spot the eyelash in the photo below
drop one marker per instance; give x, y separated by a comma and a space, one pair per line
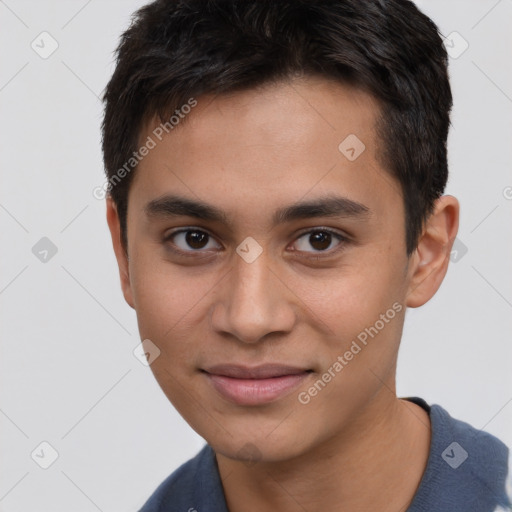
315, 255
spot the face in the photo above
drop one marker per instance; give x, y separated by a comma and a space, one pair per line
268, 265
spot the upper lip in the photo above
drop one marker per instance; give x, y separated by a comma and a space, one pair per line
264, 371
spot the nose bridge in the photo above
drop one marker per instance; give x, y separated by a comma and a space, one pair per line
254, 302
251, 285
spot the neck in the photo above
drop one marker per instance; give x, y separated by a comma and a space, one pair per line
374, 464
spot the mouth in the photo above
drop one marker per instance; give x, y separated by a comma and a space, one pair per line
257, 385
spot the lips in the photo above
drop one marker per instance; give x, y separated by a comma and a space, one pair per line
257, 385
266, 371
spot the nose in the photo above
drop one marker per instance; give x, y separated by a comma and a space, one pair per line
253, 302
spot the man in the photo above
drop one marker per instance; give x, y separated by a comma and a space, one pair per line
276, 173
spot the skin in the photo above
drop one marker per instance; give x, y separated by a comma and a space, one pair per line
249, 154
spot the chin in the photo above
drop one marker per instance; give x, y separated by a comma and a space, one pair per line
250, 446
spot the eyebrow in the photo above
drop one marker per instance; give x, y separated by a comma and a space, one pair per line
328, 206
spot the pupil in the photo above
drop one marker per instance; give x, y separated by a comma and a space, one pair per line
195, 239
320, 240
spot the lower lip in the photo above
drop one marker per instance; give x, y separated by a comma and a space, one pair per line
256, 391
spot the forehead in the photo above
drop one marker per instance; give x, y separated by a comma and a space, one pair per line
285, 112
273, 144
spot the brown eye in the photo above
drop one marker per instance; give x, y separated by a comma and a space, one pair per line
191, 240
196, 239
319, 240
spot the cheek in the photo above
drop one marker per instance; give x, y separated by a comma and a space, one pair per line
351, 298
361, 311
169, 302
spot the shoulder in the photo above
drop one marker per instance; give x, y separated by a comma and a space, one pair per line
195, 485
467, 469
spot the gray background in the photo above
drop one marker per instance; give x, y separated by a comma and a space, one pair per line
68, 373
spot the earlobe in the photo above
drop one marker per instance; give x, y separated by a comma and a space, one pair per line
119, 250
429, 262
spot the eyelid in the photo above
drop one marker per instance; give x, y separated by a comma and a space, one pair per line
325, 229
168, 236
343, 239
177, 231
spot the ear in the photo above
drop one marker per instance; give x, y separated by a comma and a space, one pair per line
429, 262
122, 257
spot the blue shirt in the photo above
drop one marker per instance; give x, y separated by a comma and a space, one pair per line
467, 471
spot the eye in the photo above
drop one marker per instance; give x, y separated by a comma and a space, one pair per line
321, 240
191, 240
